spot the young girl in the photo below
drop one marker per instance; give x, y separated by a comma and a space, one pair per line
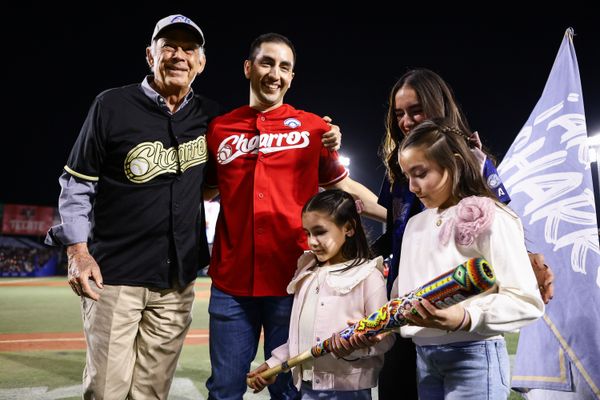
419, 95
461, 353
335, 283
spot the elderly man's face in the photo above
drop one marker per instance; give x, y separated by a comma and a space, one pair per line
175, 58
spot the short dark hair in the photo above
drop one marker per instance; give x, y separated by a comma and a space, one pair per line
269, 38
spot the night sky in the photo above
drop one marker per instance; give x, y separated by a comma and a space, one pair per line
59, 61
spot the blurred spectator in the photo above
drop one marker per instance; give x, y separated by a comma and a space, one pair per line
23, 260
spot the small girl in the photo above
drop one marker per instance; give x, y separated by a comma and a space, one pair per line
461, 353
335, 283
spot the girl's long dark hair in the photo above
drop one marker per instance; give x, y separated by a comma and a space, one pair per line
341, 206
448, 146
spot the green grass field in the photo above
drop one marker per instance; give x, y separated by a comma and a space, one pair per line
57, 374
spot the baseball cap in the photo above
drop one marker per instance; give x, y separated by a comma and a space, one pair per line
178, 19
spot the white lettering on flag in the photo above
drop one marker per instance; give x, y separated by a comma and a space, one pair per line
547, 175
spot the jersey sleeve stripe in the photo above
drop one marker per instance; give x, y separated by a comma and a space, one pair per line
336, 180
79, 175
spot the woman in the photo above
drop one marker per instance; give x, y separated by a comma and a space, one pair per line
421, 94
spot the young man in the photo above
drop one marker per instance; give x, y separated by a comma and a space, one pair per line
266, 161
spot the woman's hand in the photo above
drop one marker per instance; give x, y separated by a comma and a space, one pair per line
543, 275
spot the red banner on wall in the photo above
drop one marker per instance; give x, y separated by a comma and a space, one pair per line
21, 219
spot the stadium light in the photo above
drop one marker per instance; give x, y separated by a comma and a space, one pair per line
593, 143
345, 161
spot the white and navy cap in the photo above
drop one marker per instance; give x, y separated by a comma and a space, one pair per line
178, 19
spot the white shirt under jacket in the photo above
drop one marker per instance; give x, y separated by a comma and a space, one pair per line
342, 296
515, 303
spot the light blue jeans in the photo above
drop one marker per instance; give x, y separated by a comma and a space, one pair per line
235, 325
466, 370
309, 394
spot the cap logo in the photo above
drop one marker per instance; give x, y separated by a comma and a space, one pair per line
181, 18
292, 123
178, 19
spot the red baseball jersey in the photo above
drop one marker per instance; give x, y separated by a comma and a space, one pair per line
266, 166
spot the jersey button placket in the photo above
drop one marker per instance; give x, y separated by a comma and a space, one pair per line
260, 193
260, 157
260, 230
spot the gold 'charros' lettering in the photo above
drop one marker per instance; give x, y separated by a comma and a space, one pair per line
147, 160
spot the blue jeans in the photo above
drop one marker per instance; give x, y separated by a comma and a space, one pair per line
235, 325
309, 394
465, 370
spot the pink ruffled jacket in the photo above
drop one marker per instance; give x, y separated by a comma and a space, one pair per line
347, 295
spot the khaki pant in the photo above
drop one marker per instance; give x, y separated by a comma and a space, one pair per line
134, 337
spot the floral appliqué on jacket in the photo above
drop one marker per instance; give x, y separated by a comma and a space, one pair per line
474, 216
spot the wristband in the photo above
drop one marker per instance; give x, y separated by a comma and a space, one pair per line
462, 322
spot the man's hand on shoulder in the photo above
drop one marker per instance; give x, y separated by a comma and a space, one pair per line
332, 139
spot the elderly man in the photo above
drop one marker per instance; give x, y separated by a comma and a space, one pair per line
137, 167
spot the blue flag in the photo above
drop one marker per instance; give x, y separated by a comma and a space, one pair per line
547, 174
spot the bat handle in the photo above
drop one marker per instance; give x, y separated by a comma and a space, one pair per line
283, 367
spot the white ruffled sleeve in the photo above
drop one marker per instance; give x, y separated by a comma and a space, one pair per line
517, 301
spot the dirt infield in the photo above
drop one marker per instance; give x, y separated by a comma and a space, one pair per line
69, 340
33, 282
74, 340
46, 282
202, 287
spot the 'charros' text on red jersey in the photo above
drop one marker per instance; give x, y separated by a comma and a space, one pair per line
235, 146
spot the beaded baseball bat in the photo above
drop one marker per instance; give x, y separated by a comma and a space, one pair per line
468, 279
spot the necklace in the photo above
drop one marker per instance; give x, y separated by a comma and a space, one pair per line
440, 218
318, 278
